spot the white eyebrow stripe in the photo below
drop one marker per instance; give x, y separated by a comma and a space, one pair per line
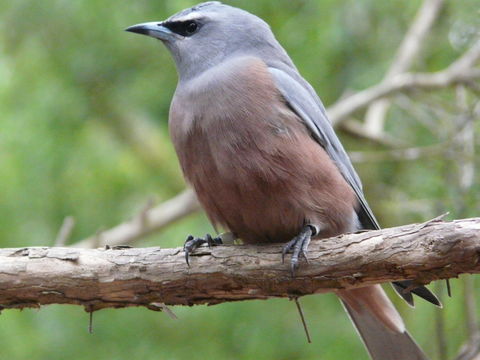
191, 16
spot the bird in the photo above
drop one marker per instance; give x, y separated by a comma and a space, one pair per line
254, 141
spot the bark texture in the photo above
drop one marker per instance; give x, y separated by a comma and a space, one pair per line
154, 277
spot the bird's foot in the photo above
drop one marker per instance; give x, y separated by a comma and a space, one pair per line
191, 243
299, 246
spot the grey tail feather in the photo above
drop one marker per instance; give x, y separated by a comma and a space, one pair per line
383, 343
420, 291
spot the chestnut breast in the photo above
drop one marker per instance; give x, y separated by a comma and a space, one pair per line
251, 160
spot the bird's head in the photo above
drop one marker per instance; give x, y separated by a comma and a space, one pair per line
206, 34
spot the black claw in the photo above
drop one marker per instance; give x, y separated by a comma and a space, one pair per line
186, 248
209, 240
187, 242
213, 241
192, 243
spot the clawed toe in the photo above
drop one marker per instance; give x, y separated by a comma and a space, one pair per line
288, 248
192, 243
213, 241
298, 246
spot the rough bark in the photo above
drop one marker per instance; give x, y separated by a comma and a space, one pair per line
120, 277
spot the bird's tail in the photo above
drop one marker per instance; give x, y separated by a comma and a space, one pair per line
380, 325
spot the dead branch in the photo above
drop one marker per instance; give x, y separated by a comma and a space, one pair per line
121, 277
149, 220
409, 50
462, 71
359, 130
407, 154
462, 138
471, 349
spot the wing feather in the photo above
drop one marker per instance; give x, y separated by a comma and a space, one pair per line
310, 109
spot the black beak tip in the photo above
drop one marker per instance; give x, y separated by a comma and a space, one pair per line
138, 29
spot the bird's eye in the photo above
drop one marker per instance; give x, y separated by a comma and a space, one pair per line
191, 27
183, 28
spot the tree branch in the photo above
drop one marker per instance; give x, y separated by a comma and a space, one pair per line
146, 222
462, 138
462, 71
406, 54
415, 37
121, 277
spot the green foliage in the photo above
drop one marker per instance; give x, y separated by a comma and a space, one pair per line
83, 132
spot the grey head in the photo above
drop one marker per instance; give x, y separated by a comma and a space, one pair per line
207, 34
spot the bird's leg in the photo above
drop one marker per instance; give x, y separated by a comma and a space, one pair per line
299, 246
191, 243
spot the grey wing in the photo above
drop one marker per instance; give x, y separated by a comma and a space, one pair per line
305, 103
309, 107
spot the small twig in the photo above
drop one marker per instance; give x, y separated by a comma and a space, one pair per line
431, 221
90, 320
449, 289
65, 231
305, 327
418, 227
164, 308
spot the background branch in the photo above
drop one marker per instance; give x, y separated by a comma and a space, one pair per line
460, 71
408, 51
149, 220
358, 129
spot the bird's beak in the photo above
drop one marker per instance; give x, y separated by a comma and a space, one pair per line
153, 29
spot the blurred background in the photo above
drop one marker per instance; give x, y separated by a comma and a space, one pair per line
83, 115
